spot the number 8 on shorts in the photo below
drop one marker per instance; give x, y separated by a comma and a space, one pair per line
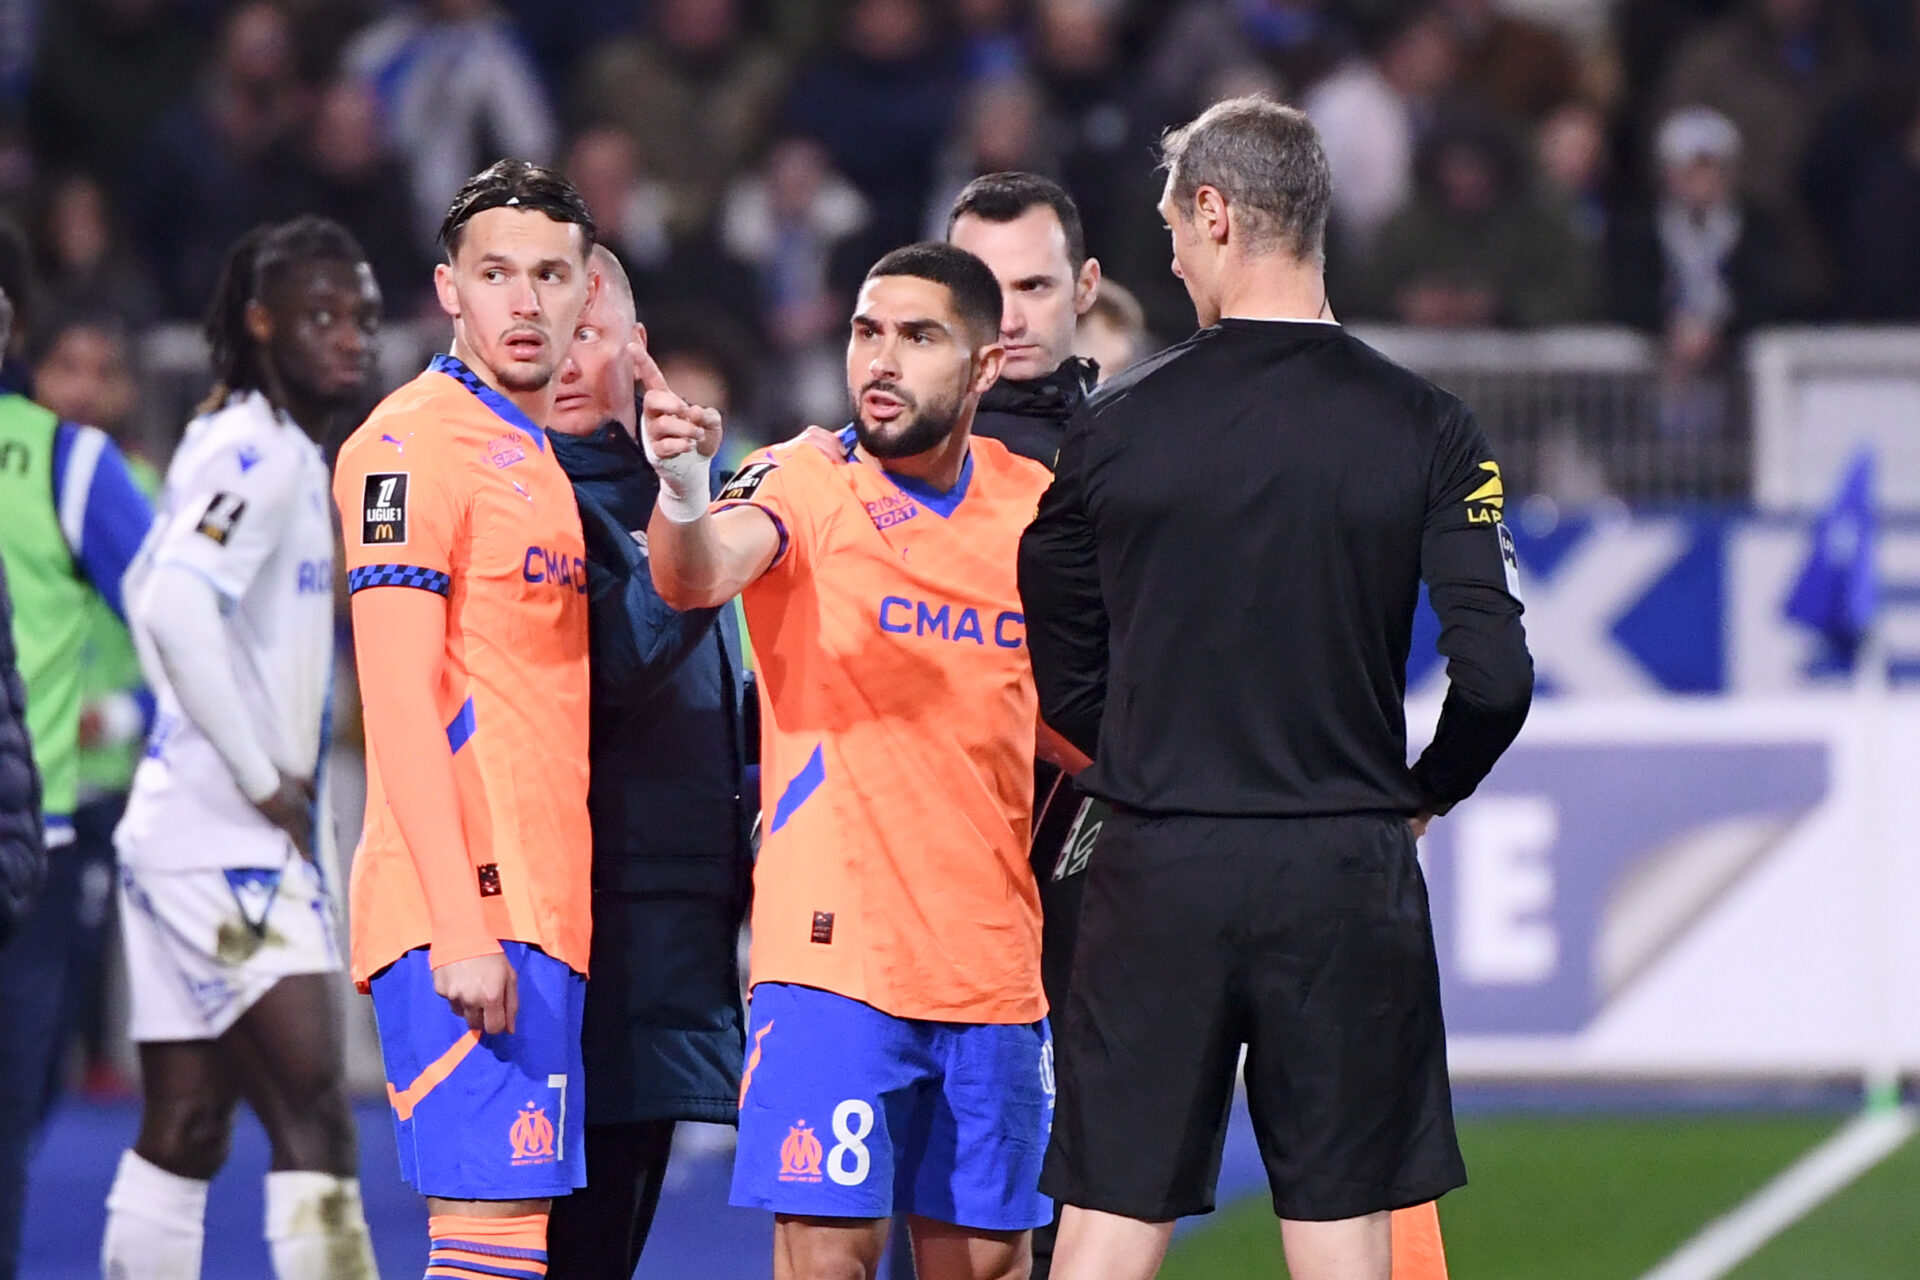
945, 1120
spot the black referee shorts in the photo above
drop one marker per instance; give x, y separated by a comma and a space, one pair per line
1308, 941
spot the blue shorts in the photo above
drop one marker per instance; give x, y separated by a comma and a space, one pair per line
485, 1117
848, 1112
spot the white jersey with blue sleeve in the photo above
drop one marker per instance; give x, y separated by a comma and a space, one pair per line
246, 508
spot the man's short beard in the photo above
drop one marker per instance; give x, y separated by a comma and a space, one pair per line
929, 429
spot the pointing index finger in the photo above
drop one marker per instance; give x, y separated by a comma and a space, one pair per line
645, 369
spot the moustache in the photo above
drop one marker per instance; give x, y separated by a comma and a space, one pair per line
893, 389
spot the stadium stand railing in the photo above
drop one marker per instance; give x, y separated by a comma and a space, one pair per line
1581, 414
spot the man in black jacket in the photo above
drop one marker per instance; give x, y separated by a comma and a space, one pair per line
1219, 589
671, 868
1027, 230
23, 851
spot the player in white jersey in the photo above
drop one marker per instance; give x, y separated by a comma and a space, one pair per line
227, 879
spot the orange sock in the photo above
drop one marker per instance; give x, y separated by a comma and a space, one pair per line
1418, 1253
487, 1248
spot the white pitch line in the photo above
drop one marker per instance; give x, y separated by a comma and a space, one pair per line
1728, 1241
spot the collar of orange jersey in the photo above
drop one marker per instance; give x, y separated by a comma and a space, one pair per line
503, 408
941, 504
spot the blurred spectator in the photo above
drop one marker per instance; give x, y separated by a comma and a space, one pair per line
83, 371
1113, 333
321, 31
1519, 67
1001, 128
562, 34
343, 171
1570, 148
631, 207
18, 283
709, 362
1475, 247
881, 105
1371, 114
1299, 41
791, 221
799, 224
105, 71
1102, 122
992, 43
457, 92
1879, 246
86, 264
1699, 267
1774, 68
203, 177
629, 204
695, 90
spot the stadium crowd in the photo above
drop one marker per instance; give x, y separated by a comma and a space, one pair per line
1690, 167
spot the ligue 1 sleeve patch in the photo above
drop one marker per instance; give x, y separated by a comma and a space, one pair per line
747, 481
221, 517
1509, 560
384, 510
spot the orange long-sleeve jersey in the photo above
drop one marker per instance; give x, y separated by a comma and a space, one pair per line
448, 489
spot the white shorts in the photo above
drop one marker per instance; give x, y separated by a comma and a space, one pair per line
204, 945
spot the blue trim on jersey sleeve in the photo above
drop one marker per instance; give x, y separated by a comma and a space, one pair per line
461, 727
115, 521
398, 575
502, 407
809, 780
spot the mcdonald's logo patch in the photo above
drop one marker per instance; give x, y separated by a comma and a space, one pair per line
800, 1155
384, 518
532, 1136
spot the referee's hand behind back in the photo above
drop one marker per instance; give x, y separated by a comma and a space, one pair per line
484, 990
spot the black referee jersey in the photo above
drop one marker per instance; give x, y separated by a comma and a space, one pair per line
1220, 584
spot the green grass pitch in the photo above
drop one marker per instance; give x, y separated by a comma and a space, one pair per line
1598, 1197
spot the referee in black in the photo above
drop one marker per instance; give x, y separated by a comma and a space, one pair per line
1220, 589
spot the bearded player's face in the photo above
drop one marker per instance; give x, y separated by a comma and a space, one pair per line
909, 366
515, 290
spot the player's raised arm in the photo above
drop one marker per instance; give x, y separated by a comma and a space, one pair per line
699, 559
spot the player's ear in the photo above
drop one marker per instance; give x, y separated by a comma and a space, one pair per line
987, 363
259, 321
1086, 287
443, 288
1210, 211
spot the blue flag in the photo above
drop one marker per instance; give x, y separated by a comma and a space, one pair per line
1838, 593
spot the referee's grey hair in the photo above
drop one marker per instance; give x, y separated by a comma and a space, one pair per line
1266, 159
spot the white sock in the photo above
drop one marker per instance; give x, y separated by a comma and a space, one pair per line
156, 1222
317, 1229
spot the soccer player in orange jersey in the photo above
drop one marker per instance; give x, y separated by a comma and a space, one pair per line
470, 894
898, 1055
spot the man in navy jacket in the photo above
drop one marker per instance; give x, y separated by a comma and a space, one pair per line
671, 819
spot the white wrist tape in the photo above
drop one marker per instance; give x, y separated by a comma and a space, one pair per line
683, 483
